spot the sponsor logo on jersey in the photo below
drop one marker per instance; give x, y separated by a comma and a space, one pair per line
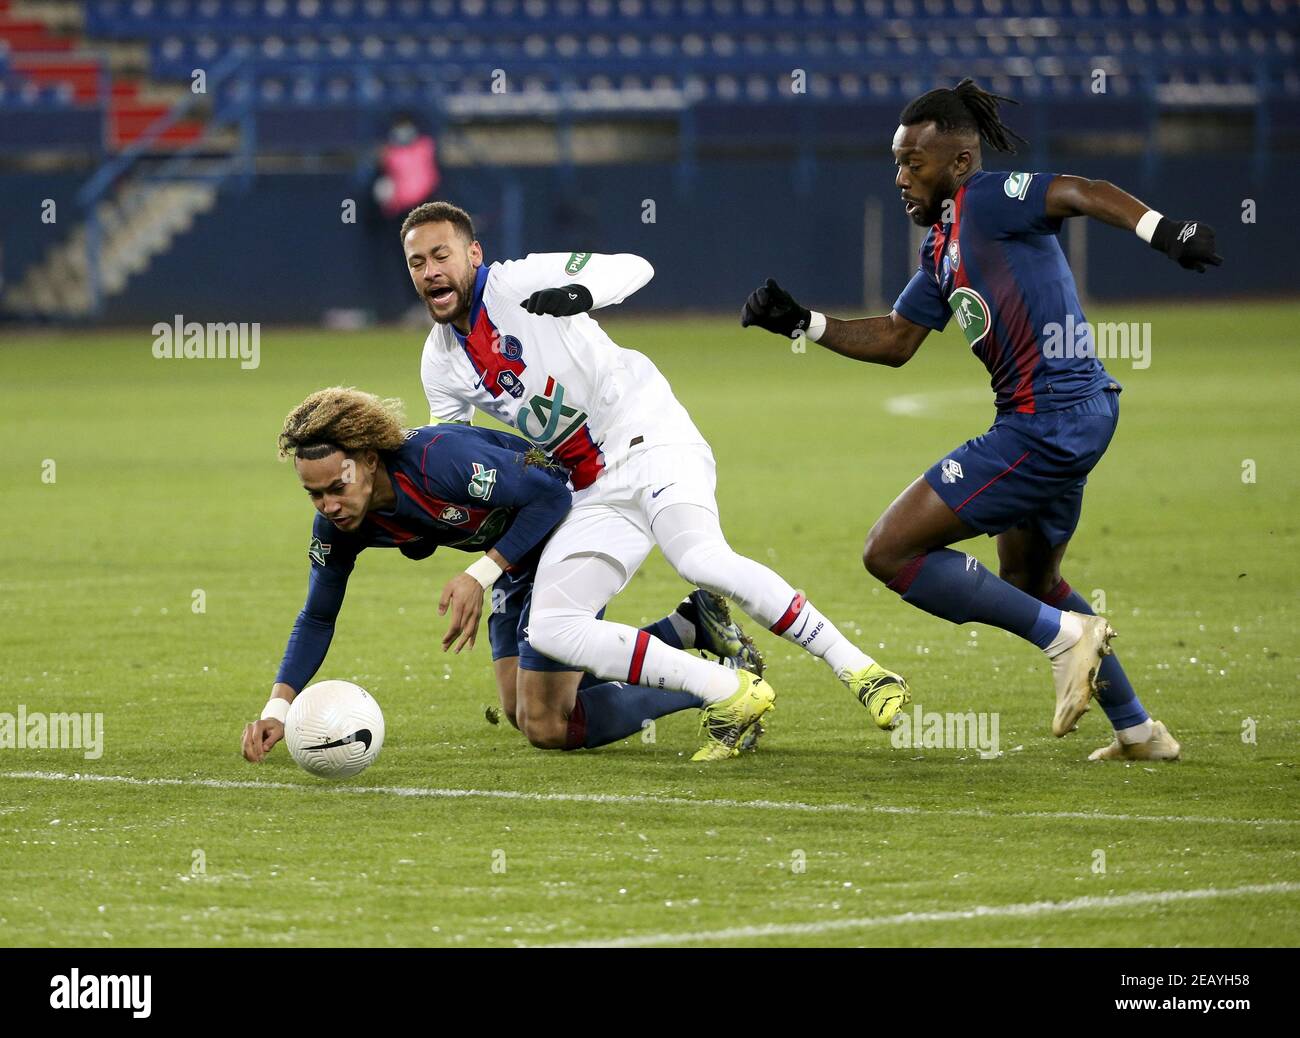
1017, 185
951, 470
482, 481
577, 260
317, 551
411, 432
556, 420
511, 383
972, 313
454, 515
511, 348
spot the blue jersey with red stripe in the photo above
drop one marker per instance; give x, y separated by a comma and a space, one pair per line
456, 486
462, 487
998, 266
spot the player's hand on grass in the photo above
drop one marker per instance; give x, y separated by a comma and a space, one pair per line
1188, 243
462, 601
260, 736
770, 306
559, 302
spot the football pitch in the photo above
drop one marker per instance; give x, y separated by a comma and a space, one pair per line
155, 558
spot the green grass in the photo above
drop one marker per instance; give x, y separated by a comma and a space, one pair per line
167, 482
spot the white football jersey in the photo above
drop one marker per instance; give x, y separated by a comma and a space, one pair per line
560, 381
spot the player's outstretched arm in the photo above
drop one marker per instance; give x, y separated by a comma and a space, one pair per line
563, 285
1189, 243
891, 339
309, 641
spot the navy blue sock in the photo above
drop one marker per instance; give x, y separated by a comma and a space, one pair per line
665, 632
955, 586
661, 629
1115, 691
613, 710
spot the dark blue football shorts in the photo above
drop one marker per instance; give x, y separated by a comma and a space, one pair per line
512, 599
1029, 470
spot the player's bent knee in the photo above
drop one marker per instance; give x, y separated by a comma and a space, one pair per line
879, 557
547, 730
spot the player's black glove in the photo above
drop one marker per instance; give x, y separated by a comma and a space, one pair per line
770, 306
1186, 242
559, 302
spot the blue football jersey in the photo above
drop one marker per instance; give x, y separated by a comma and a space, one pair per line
457, 486
998, 267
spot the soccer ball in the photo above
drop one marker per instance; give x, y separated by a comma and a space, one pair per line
335, 729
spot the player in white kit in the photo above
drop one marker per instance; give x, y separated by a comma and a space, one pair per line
514, 340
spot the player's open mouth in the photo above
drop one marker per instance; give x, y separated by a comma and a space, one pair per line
912, 207
440, 296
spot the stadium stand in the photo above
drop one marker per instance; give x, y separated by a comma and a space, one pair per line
118, 82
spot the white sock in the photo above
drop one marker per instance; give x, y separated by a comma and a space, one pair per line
1138, 733
844, 655
811, 631
1071, 631
666, 667
625, 654
692, 542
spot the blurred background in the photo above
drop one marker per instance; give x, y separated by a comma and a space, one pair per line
240, 160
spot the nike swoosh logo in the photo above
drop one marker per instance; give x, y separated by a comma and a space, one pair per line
799, 633
362, 735
656, 493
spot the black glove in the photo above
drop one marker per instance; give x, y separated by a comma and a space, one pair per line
1186, 242
559, 302
770, 306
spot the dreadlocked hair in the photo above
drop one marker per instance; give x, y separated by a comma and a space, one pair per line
341, 419
965, 107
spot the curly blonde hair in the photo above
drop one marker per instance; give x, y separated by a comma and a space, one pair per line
339, 418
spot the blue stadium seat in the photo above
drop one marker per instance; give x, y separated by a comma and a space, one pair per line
854, 48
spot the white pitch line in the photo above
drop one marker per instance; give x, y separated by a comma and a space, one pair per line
635, 798
1026, 909
916, 405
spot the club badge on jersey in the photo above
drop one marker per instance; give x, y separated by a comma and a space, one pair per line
511, 348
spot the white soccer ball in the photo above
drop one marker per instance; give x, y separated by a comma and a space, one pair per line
335, 729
